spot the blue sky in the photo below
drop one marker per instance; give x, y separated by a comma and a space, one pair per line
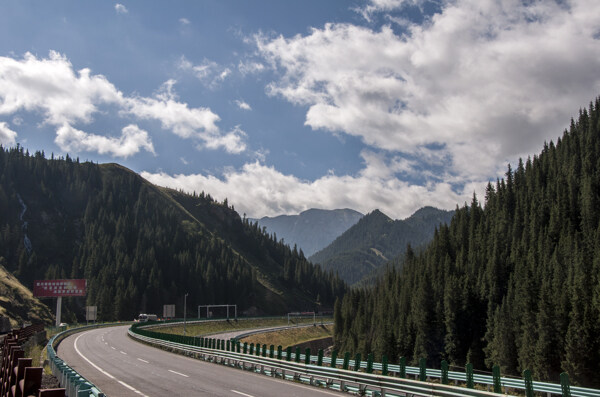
281, 106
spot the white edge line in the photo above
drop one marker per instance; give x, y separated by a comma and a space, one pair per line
144, 361
103, 371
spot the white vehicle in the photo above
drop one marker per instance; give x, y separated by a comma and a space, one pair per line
143, 318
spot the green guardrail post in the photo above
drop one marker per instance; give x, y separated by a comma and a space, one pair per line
444, 372
357, 362
384, 365
297, 355
307, 356
422, 369
218, 344
320, 358
251, 348
496, 376
245, 347
271, 351
370, 363
346, 360
263, 350
470, 383
334, 358
228, 345
279, 352
565, 385
528, 383
201, 342
402, 366
288, 353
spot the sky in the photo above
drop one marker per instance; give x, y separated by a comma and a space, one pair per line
282, 106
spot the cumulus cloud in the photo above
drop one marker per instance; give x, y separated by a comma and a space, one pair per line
8, 137
130, 142
50, 86
184, 21
232, 142
483, 81
260, 190
65, 98
243, 105
121, 9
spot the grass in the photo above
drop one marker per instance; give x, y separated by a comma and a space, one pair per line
213, 327
290, 337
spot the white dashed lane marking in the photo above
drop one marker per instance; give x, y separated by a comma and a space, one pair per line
178, 373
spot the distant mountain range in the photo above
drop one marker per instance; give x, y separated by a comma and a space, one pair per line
311, 230
376, 239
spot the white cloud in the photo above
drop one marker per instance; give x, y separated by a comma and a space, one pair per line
484, 81
177, 116
208, 72
184, 21
250, 67
8, 137
243, 105
52, 87
260, 190
131, 141
121, 9
65, 98
232, 142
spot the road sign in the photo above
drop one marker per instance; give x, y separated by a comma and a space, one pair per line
56, 288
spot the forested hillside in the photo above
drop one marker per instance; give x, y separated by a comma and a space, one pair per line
376, 239
515, 282
140, 246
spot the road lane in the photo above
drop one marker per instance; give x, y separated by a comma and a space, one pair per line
146, 371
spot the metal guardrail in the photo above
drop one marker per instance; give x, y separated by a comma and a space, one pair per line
485, 380
75, 385
333, 378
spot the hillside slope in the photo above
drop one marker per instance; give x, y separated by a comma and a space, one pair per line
375, 240
141, 246
18, 303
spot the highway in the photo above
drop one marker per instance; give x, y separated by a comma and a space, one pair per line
122, 367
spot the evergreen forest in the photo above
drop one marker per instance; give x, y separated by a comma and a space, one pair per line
140, 246
513, 281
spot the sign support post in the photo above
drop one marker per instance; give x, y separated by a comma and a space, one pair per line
58, 310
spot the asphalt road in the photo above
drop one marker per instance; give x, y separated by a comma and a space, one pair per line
122, 367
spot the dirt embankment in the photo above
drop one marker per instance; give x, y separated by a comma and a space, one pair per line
315, 345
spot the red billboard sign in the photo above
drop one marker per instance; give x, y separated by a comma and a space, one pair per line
55, 288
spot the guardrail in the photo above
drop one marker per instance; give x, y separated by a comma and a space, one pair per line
75, 384
333, 378
196, 345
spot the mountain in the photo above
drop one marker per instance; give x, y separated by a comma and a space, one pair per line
375, 240
18, 303
514, 282
141, 246
312, 229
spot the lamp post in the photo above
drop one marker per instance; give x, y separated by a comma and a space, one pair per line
184, 310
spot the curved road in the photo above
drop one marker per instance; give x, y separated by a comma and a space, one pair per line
122, 367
